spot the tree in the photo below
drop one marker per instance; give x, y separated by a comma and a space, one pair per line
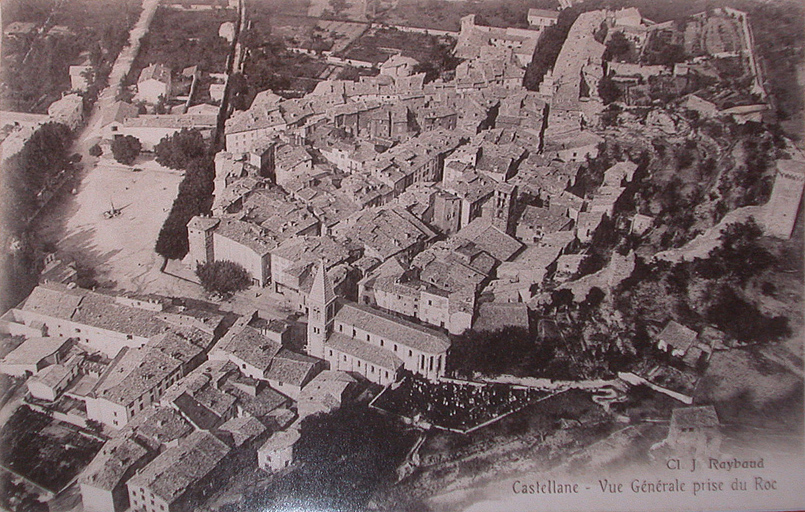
223, 277
177, 150
95, 150
618, 47
608, 90
126, 149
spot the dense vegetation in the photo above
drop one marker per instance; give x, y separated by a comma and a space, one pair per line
223, 277
51, 458
343, 458
710, 290
178, 39
178, 150
194, 198
126, 149
25, 174
99, 28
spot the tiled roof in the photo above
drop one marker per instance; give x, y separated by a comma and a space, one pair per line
243, 429
492, 240
364, 351
133, 373
112, 465
179, 468
155, 72
53, 301
33, 350
249, 345
677, 335
290, 370
703, 416
160, 424
392, 328
246, 234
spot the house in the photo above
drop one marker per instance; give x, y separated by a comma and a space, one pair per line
325, 393
398, 65
49, 383
292, 161
242, 434
113, 118
495, 316
179, 478
536, 222
103, 481
694, 430
676, 338
542, 18
276, 453
69, 110
641, 224
78, 77
290, 372
246, 347
154, 83
568, 265
35, 354
587, 224
135, 379
247, 244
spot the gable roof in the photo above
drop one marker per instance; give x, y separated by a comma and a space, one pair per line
156, 72
392, 328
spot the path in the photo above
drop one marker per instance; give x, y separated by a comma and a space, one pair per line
119, 70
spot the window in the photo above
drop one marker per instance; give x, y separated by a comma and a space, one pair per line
395, 347
410, 353
345, 357
331, 352
129, 336
359, 364
382, 343
77, 329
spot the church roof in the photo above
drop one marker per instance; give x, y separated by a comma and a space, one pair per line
322, 288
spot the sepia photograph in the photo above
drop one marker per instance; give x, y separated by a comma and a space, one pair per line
402, 255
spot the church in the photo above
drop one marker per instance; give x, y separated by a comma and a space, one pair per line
356, 338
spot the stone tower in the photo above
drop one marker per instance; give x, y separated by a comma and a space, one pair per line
502, 208
199, 236
320, 312
786, 196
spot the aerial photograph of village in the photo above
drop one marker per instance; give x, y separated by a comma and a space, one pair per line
401, 255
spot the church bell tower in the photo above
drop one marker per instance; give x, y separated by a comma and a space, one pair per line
320, 312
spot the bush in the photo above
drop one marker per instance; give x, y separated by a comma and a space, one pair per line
96, 150
126, 149
223, 277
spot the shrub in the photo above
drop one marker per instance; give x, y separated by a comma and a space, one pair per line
95, 150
